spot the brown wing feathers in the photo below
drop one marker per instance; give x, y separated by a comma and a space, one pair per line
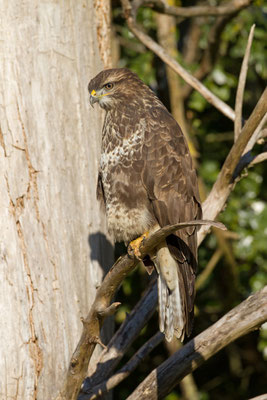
171, 183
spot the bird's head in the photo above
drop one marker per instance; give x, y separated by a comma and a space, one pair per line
113, 86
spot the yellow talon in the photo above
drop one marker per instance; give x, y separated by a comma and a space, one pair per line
134, 246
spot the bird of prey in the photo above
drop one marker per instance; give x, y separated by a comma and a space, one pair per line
147, 181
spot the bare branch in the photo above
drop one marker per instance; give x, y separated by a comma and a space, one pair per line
161, 53
247, 316
126, 370
224, 184
196, 11
241, 85
93, 322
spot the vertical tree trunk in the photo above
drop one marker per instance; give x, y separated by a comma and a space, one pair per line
53, 243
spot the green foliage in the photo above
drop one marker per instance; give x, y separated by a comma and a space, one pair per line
172, 396
245, 214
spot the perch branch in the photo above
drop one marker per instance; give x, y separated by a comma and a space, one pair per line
247, 316
161, 53
93, 322
241, 85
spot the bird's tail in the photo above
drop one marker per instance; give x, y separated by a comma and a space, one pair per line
172, 318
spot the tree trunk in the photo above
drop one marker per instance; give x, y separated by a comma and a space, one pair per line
53, 243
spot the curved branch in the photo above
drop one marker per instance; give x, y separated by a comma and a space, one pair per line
247, 316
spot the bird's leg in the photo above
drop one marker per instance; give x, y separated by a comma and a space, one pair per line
134, 246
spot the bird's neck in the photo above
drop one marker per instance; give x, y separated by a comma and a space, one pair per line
122, 126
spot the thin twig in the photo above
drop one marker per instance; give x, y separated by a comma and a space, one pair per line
195, 11
126, 370
247, 316
161, 53
201, 279
241, 85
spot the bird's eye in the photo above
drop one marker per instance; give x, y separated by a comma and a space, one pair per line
109, 86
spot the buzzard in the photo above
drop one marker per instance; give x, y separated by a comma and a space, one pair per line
147, 181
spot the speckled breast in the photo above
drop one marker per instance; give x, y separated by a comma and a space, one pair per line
127, 205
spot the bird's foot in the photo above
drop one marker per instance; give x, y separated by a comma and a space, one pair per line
134, 246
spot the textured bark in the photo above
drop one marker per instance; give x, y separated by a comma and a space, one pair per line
53, 244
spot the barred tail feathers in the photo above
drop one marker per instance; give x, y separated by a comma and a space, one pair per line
172, 319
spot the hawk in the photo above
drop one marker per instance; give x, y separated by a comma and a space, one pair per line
147, 181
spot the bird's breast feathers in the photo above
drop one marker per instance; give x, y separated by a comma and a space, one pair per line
125, 196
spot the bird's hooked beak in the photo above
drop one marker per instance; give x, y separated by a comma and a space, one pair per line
96, 96
93, 98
